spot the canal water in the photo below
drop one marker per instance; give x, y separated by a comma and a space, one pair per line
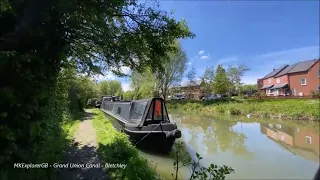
255, 148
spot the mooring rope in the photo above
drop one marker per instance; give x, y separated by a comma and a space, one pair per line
147, 134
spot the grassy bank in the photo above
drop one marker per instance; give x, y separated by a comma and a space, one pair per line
56, 139
298, 109
115, 147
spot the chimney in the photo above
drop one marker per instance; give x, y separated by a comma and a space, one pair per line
274, 69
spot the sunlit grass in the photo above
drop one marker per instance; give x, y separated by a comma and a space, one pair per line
115, 147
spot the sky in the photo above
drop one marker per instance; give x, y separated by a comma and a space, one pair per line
260, 34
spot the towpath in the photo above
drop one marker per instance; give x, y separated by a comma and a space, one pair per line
83, 152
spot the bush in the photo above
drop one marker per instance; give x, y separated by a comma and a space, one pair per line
282, 108
182, 158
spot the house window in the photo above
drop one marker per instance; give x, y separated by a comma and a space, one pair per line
278, 80
269, 80
319, 73
308, 140
303, 81
293, 91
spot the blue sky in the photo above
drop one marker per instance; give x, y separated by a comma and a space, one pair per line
260, 34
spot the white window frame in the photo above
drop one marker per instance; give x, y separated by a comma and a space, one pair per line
307, 137
305, 81
278, 80
269, 80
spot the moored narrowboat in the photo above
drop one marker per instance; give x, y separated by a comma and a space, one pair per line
146, 122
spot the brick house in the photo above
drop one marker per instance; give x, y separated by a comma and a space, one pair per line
192, 90
298, 79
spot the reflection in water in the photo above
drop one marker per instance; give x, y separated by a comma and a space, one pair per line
255, 148
299, 141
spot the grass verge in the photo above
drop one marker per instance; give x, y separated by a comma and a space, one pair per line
298, 109
115, 147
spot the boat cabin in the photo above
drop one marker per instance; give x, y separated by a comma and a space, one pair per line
139, 112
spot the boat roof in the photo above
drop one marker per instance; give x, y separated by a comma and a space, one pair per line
129, 112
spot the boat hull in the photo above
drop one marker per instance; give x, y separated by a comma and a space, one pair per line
144, 140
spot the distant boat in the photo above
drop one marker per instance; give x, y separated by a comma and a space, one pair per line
145, 121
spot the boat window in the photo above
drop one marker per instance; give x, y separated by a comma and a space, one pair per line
150, 113
157, 115
119, 110
138, 109
107, 99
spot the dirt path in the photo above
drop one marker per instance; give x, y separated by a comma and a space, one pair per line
83, 152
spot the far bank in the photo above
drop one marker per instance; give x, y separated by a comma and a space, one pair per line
296, 109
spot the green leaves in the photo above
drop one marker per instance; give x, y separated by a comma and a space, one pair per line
121, 33
110, 87
221, 81
211, 172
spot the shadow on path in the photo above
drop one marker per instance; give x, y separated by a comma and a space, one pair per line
82, 155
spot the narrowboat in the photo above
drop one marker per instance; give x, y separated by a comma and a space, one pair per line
146, 122
106, 98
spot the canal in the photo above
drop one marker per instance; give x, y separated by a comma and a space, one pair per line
255, 148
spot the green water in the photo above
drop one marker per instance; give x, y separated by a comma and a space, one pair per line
255, 148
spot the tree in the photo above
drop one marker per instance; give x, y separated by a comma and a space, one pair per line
174, 69
207, 78
221, 81
191, 76
143, 84
128, 95
249, 88
110, 87
235, 73
42, 37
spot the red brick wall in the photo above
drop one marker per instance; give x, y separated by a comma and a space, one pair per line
266, 81
283, 79
300, 136
314, 77
260, 84
311, 77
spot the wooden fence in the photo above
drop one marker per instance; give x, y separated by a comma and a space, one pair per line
285, 97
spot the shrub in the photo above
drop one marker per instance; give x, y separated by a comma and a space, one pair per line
182, 158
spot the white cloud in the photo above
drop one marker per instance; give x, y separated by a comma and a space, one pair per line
125, 70
201, 52
227, 60
189, 63
107, 76
126, 87
289, 56
204, 57
295, 51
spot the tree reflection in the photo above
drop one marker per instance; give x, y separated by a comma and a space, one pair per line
218, 135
